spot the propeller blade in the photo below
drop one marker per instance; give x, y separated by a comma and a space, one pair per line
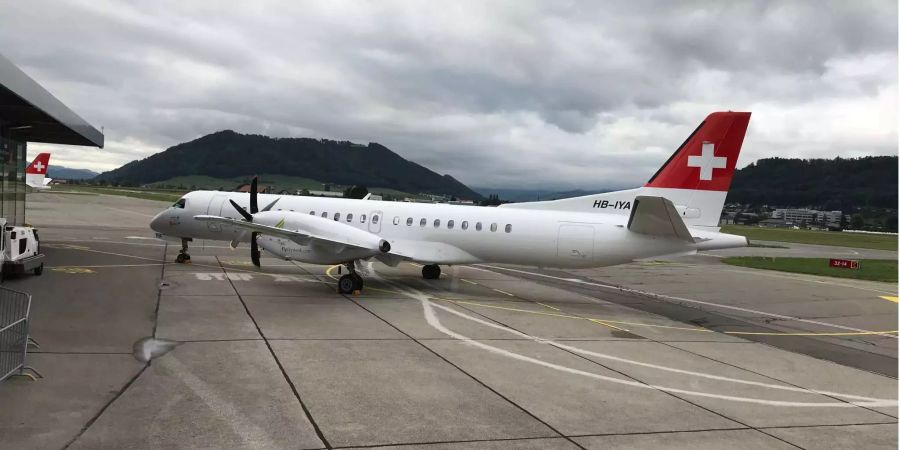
254, 250
270, 205
242, 211
254, 207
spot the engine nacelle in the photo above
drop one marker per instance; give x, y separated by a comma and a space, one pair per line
337, 242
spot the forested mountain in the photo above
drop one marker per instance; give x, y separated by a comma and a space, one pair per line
228, 154
65, 173
829, 184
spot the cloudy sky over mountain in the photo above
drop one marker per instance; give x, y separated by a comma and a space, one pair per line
500, 94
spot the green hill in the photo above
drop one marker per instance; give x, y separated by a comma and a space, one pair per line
278, 183
227, 155
829, 184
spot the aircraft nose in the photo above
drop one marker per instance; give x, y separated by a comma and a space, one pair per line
159, 223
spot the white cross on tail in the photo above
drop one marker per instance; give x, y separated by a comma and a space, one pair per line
707, 161
39, 166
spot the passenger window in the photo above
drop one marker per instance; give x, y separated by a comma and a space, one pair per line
396, 220
493, 227
324, 214
422, 222
375, 218
437, 223
350, 217
362, 218
449, 224
409, 221
465, 225
508, 228
478, 226
337, 216
180, 203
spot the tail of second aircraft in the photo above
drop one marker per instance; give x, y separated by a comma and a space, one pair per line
695, 178
36, 172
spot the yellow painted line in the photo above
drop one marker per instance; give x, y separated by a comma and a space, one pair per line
548, 306
567, 316
72, 270
470, 282
861, 333
889, 298
609, 323
504, 292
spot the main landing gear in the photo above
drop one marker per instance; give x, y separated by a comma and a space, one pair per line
350, 282
183, 256
431, 272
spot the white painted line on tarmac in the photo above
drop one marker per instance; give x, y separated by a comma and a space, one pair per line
432, 319
686, 300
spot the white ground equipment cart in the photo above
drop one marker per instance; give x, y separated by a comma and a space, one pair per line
20, 250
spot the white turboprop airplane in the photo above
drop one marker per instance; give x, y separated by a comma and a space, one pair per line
676, 212
36, 173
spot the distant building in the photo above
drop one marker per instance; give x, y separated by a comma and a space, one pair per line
811, 217
774, 223
335, 194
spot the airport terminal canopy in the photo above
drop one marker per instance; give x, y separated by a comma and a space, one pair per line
35, 115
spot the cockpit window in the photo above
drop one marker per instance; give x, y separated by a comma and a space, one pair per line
180, 203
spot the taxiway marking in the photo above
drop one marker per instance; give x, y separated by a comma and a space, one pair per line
72, 270
432, 319
889, 298
686, 300
608, 323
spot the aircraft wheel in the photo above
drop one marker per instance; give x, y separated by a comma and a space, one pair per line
39, 269
431, 272
358, 285
347, 284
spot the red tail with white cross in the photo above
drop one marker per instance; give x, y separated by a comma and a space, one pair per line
39, 165
707, 159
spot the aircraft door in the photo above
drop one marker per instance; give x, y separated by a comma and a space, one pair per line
375, 222
575, 244
215, 209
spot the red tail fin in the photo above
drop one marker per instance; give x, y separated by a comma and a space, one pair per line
707, 159
39, 165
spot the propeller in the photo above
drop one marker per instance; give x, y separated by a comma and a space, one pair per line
248, 216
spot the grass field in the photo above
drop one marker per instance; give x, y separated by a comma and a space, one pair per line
836, 238
869, 269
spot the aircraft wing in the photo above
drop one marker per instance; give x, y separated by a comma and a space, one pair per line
657, 216
300, 237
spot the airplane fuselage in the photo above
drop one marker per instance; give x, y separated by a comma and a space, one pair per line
439, 233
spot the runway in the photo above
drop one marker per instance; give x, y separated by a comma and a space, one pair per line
650, 354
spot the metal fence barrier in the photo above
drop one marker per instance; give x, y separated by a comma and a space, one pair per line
15, 307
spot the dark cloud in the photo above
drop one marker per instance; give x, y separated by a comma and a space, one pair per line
512, 94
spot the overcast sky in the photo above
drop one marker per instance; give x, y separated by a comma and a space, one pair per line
496, 93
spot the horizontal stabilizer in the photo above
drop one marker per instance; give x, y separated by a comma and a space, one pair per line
657, 216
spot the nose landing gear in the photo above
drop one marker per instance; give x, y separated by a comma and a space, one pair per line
183, 256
